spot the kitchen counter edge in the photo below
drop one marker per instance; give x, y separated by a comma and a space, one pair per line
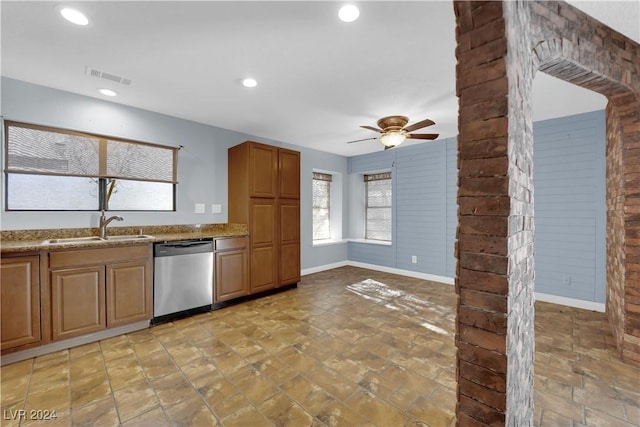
8, 247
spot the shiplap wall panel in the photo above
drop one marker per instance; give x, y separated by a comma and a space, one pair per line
451, 206
569, 206
381, 160
420, 207
569, 179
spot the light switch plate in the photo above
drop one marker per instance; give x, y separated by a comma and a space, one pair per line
199, 208
216, 208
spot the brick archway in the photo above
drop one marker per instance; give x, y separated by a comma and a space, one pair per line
500, 47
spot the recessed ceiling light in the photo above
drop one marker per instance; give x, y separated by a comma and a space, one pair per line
249, 82
74, 16
348, 13
108, 92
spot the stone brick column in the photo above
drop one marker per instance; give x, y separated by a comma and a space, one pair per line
500, 45
572, 46
494, 277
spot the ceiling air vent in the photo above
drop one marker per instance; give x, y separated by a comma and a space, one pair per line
94, 72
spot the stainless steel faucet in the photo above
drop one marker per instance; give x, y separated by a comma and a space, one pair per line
104, 221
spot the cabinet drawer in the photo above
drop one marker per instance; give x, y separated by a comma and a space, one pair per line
97, 256
233, 243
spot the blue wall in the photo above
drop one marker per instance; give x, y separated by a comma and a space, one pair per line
569, 188
202, 162
424, 207
570, 207
570, 215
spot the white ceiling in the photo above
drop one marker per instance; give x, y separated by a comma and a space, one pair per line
319, 79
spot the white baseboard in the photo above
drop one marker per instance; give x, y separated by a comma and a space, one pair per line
401, 272
570, 302
325, 267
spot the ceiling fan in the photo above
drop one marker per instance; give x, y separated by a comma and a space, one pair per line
394, 131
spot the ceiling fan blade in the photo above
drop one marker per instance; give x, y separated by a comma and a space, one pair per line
419, 125
359, 140
423, 135
372, 128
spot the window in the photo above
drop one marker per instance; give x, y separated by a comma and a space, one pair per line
55, 169
378, 206
321, 206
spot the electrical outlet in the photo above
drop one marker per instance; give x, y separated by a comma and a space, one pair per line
566, 280
414, 259
216, 208
199, 208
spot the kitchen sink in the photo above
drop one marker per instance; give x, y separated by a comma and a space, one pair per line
96, 239
72, 240
129, 237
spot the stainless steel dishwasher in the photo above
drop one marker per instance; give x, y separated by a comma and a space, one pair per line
183, 278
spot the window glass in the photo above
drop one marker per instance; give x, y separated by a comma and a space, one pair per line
321, 206
55, 193
378, 209
43, 163
130, 195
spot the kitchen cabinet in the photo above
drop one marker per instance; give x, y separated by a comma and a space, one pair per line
289, 173
129, 292
231, 269
289, 228
262, 235
264, 193
263, 170
20, 301
77, 301
96, 289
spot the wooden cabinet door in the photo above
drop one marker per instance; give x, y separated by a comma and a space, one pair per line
262, 236
263, 269
289, 221
231, 275
20, 301
289, 173
77, 301
262, 222
289, 242
129, 295
289, 264
263, 170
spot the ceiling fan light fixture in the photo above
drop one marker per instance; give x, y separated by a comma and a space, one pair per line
392, 138
348, 13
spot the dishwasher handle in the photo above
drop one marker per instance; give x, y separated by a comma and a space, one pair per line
183, 247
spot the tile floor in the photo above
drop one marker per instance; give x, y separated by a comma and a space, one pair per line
348, 347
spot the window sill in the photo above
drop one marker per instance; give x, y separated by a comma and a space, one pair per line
328, 242
371, 242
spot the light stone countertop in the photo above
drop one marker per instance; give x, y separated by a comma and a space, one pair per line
17, 241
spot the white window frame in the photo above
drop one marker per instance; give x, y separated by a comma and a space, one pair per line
336, 203
34, 153
325, 180
376, 177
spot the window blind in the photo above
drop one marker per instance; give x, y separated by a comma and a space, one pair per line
322, 176
42, 150
377, 176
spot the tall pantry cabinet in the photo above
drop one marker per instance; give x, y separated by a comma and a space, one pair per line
264, 193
